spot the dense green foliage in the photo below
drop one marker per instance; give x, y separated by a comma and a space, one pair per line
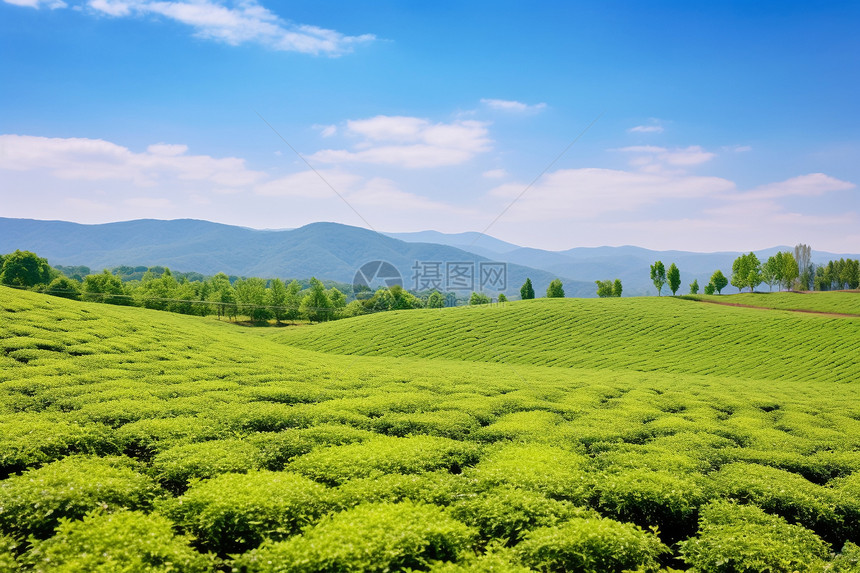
537, 435
555, 289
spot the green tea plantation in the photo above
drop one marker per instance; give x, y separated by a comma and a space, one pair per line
605, 435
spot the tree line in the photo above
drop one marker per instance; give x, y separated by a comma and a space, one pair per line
789, 270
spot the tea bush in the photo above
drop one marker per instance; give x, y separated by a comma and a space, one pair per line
595, 545
506, 514
653, 498
175, 467
439, 488
33, 503
453, 424
232, 513
377, 537
145, 438
279, 448
848, 560
555, 472
743, 538
29, 440
384, 455
122, 541
9, 550
783, 493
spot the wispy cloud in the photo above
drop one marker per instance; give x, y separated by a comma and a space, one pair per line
512, 105
654, 127
653, 158
237, 22
99, 160
495, 174
326, 130
52, 4
410, 142
811, 185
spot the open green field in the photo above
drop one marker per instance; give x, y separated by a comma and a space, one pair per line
665, 334
603, 435
835, 302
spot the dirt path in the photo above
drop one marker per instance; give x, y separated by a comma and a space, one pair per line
818, 312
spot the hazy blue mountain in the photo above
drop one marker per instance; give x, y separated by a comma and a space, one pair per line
325, 250
630, 264
471, 241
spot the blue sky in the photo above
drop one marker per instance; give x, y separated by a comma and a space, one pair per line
713, 126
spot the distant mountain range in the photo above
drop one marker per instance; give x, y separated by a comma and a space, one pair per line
334, 251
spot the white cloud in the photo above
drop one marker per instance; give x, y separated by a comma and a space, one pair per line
653, 158
236, 23
576, 194
656, 128
410, 142
52, 4
495, 174
98, 160
811, 185
512, 106
326, 130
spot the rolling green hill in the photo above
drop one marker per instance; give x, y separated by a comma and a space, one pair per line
643, 334
834, 302
149, 440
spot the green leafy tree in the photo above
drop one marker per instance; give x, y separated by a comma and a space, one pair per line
502, 297
25, 269
771, 271
790, 270
276, 298
251, 298
617, 288
555, 289
337, 298
479, 298
805, 271
527, 291
222, 296
435, 300
316, 305
104, 287
658, 276
746, 272
710, 288
694, 287
673, 276
65, 287
604, 288
719, 281
293, 300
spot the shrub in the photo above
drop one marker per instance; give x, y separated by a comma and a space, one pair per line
232, 513
848, 560
121, 541
176, 466
591, 545
783, 493
33, 502
28, 440
743, 538
555, 472
9, 549
278, 448
529, 425
145, 438
385, 455
653, 498
506, 514
438, 488
372, 537
453, 424
495, 560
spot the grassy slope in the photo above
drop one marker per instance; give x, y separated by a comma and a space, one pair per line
67, 364
836, 302
643, 334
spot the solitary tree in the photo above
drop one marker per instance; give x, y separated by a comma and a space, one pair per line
694, 287
555, 289
709, 288
435, 300
604, 288
527, 291
502, 297
26, 269
617, 288
658, 276
674, 278
719, 281
479, 298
